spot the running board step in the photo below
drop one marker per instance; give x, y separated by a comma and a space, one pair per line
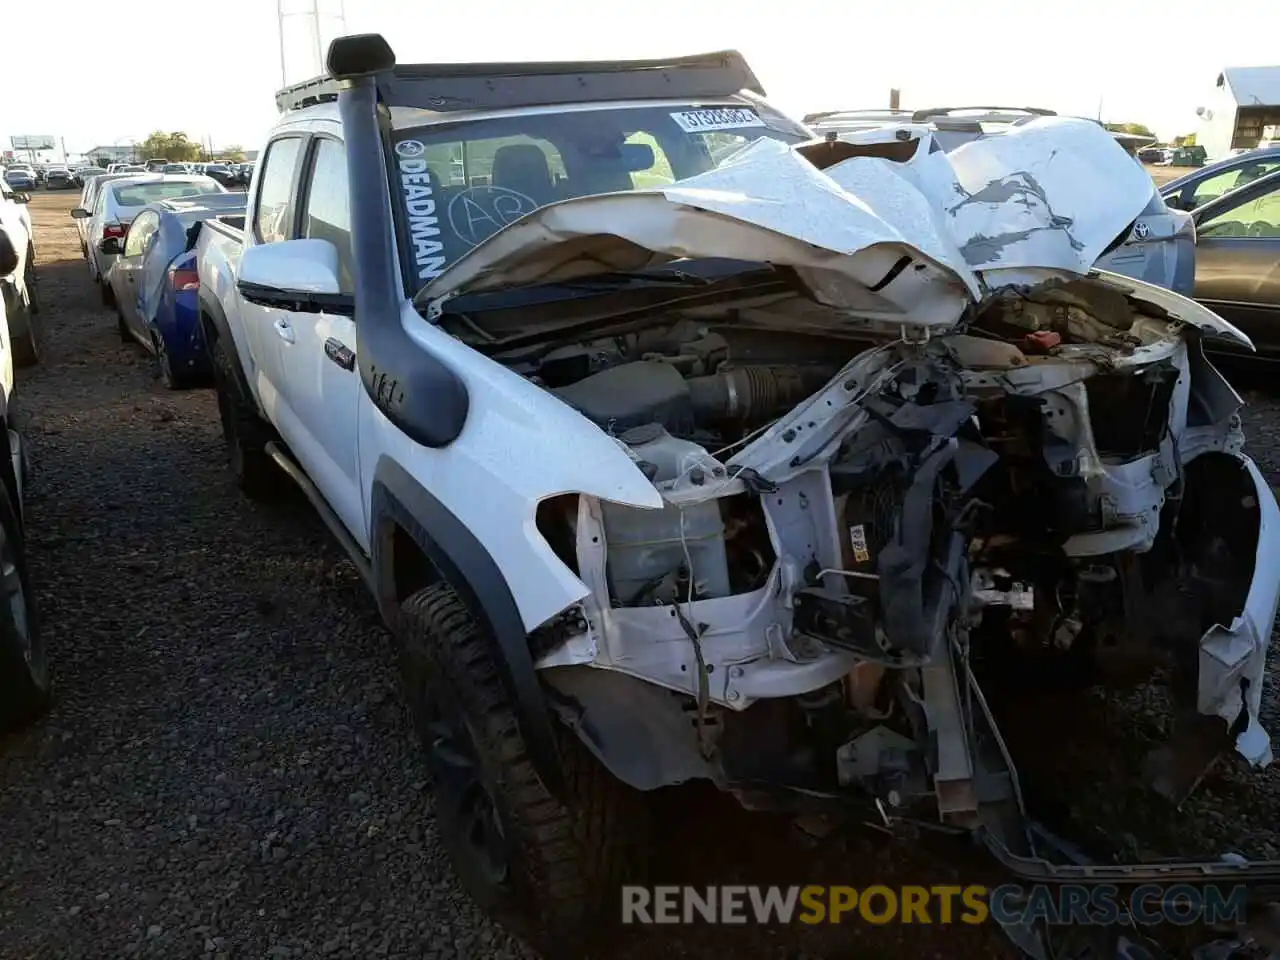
18, 458
295, 473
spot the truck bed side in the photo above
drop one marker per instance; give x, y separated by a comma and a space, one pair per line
218, 247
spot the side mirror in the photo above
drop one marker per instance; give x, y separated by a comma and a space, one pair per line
110, 246
293, 271
1173, 201
80, 213
8, 254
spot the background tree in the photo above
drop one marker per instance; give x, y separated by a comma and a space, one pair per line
1186, 140
1137, 129
233, 153
172, 146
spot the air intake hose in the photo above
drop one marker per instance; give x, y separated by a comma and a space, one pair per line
753, 392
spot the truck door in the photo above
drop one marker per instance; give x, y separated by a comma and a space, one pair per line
273, 221
319, 384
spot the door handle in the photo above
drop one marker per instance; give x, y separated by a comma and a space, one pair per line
339, 353
285, 329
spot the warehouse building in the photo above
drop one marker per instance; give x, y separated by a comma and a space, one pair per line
1242, 112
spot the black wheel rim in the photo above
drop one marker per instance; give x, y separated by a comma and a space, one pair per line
466, 801
471, 807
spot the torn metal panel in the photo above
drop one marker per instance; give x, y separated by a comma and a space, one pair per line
1233, 659
1052, 193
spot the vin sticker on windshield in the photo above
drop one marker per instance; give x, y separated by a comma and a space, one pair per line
720, 118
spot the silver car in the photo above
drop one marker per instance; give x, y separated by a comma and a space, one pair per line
1159, 247
117, 203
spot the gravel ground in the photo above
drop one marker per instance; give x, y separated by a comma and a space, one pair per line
226, 770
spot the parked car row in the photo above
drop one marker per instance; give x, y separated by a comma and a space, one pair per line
137, 233
24, 177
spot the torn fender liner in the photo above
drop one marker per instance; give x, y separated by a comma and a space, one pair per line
1051, 198
1233, 659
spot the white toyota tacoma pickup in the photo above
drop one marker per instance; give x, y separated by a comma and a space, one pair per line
675, 444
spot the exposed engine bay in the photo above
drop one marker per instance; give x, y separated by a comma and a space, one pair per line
864, 545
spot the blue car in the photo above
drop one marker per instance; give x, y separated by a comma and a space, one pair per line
20, 179
157, 289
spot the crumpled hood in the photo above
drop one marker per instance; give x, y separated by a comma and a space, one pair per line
911, 242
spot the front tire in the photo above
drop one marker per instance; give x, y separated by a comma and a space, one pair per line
32, 282
549, 871
108, 295
24, 669
246, 433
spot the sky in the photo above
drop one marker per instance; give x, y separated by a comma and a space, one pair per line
108, 72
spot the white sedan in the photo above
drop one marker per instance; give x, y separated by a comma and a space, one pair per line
114, 208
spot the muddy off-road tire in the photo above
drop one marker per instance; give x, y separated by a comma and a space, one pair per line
550, 872
246, 433
22, 328
32, 282
24, 670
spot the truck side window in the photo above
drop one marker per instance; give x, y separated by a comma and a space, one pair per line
328, 215
273, 218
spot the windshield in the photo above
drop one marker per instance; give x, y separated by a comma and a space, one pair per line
460, 183
140, 194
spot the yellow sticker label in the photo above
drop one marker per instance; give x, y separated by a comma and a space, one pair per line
858, 538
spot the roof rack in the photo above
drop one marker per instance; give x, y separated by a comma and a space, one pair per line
986, 114
445, 87
885, 113
307, 93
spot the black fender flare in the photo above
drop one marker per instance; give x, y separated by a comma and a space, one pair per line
461, 561
214, 326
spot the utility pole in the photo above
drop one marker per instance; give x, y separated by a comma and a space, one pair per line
315, 34
284, 79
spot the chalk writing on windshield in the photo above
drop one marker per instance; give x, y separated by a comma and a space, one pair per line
479, 212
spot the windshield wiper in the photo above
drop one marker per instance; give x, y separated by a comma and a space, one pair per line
613, 281
617, 278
